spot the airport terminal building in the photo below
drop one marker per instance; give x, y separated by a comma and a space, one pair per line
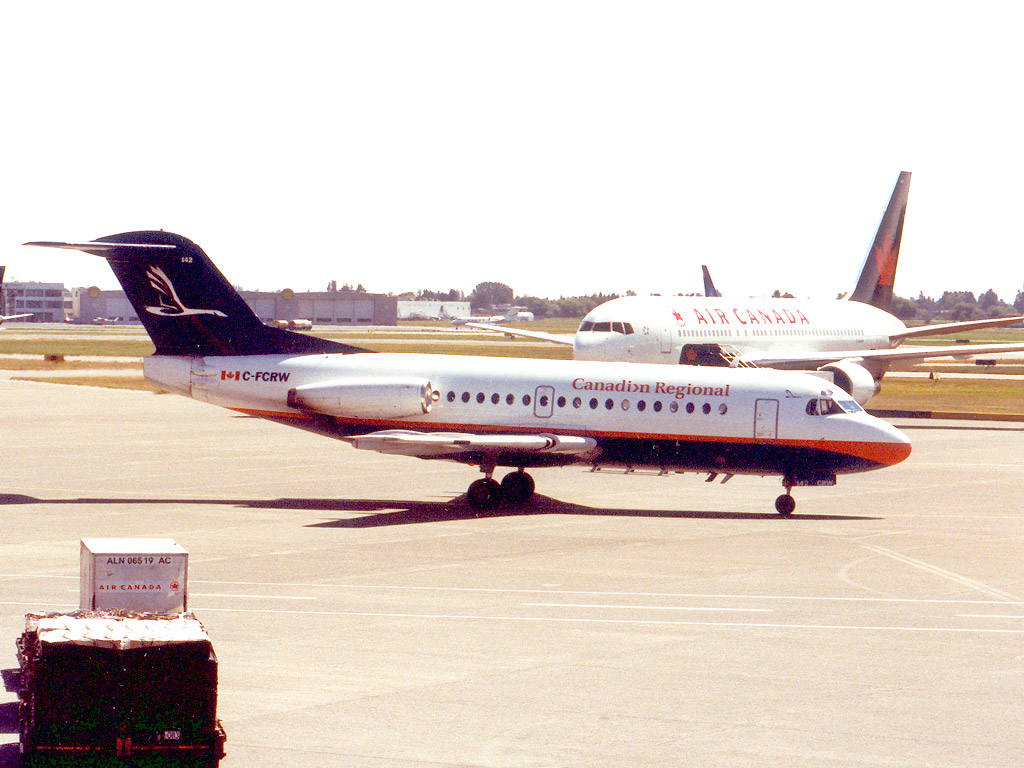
45, 301
321, 307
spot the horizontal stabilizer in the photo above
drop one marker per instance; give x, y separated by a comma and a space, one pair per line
187, 306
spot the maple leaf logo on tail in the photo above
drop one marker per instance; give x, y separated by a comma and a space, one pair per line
170, 305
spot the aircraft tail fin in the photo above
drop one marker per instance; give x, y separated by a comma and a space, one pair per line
186, 305
709, 286
876, 280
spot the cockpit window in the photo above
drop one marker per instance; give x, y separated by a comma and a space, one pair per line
609, 327
826, 406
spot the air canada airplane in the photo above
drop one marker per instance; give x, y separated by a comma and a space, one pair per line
488, 412
853, 340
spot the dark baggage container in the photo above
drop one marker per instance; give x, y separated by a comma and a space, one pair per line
118, 688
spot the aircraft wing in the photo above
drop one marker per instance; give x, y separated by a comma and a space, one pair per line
440, 445
970, 325
554, 338
887, 355
14, 317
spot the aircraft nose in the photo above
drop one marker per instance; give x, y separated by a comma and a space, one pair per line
590, 346
891, 446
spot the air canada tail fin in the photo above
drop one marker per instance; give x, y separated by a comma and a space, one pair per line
879, 272
186, 304
709, 286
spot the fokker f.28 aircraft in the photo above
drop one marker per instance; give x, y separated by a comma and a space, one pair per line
854, 340
492, 412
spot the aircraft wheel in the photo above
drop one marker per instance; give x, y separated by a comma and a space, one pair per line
517, 487
484, 493
785, 505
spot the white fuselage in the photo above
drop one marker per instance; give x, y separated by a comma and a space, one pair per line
606, 401
652, 329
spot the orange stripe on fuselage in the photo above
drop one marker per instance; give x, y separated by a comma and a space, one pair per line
883, 453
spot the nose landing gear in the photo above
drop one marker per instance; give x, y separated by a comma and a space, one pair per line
785, 504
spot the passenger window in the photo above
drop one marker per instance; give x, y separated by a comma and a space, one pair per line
577, 402
465, 397
609, 404
543, 400
451, 397
706, 408
657, 406
723, 409
526, 399
625, 405
480, 397
510, 399
673, 407
561, 402
593, 403
641, 405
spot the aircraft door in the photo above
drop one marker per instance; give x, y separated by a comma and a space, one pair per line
766, 419
544, 402
666, 340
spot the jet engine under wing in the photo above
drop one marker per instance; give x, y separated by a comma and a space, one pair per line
555, 338
885, 355
430, 445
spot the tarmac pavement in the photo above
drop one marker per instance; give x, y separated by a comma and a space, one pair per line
364, 615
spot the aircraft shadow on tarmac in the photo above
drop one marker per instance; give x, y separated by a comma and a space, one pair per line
385, 512
9, 718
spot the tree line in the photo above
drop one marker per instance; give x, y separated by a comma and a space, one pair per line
952, 306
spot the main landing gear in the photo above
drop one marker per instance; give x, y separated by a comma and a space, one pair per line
487, 493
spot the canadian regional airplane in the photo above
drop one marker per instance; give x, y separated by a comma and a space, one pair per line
488, 412
854, 340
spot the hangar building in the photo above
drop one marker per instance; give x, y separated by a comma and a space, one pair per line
321, 307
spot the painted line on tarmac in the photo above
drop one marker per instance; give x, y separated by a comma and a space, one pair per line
634, 622
942, 573
649, 607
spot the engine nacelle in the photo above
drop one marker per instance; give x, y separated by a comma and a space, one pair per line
854, 378
372, 398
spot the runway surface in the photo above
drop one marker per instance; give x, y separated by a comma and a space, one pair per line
364, 615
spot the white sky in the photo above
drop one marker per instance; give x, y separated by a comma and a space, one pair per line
559, 147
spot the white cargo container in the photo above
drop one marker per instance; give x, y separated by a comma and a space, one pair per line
148, 575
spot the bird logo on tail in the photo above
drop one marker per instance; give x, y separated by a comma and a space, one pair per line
170, 305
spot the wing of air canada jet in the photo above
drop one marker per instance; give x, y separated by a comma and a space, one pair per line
565, 339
